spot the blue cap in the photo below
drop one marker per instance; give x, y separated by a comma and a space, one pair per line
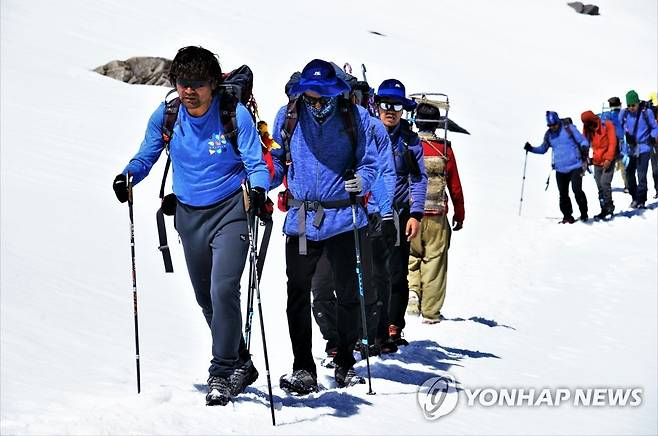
552, 118
320, 77
393, 89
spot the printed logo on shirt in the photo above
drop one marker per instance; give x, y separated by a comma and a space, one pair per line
217, 144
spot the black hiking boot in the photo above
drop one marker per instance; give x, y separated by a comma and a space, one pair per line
584, 217
373, 350
346, 377
300, 382
219, 391
567, 220
242, 376
604, 213
395, 335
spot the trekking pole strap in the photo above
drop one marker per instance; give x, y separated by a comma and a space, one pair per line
162, 236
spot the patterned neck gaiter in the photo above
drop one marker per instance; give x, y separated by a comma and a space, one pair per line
322, 113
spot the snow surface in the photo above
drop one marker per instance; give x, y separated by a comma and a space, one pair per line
530, 303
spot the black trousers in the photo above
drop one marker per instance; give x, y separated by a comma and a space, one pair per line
399, 267
574, 177
300, 270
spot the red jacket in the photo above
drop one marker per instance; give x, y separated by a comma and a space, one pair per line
435, 148
602, 139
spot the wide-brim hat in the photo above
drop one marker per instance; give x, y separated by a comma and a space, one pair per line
320, 77
393, 90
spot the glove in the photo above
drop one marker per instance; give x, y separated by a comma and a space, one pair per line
606, 164
256, 198
457, 225
625, 160
527, 146
355, 185
389, 231
120, 187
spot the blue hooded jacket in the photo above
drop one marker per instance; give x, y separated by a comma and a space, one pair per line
408, 188
566, 151
383, 190
321, 153
644, 130
205, 166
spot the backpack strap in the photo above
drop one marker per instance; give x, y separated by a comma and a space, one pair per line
167, 129
228, 105
289, 125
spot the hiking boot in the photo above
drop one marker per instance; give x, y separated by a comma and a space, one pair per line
373, 350
641, 206
328, 362
346, 377
300, 382
633, 204
584, 217
656, 196
413, 305
604, 213
386, 346
219, 391
433, 320
242, 376
395, 335
568, 220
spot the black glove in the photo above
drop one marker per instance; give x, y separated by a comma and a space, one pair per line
260, 203
389, 231
120, 187
527, 146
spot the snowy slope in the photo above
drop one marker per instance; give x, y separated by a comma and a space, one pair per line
530, 303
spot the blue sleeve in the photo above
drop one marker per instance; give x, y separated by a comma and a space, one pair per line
149, 152
383, 191
278, 154
251, 151
418, 184
366, 153
543, 148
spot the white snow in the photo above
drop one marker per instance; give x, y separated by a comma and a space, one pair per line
570, 306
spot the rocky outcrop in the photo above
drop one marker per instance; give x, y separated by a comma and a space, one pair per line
138, 70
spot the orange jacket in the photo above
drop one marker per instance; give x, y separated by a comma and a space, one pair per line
602, 139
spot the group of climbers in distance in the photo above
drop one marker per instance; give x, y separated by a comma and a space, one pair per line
623, 139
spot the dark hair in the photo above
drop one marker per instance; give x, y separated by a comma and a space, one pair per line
426, 111
195, 63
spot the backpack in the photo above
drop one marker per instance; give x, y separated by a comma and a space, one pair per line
236, 87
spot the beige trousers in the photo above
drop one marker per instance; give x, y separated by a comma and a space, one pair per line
428, 264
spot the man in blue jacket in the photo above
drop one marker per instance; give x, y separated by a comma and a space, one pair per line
210, 212
641, 132
409, 199
315, 156
381, 237
570, 150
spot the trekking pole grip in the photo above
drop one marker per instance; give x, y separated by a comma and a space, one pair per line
349, 175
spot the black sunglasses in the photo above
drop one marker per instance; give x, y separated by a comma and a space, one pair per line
396, 107
194, 84
312, 101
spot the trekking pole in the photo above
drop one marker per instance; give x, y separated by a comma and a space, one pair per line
250, 292
252, 223
134, 271
523, 182
349, 174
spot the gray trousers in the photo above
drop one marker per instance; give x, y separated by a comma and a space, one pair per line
603, 180
215, 241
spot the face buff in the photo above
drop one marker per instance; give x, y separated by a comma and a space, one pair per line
321, 113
